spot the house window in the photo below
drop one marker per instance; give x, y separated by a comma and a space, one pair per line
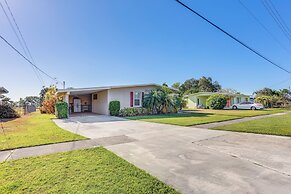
137, 99
95, 96
238, 99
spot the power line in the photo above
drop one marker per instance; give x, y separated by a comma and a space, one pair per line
276, 19
263, 26
25, 47
11, 25
234, 38
279, 16
26, 58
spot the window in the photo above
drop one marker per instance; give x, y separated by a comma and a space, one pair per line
137, 99
238, 99
95, 96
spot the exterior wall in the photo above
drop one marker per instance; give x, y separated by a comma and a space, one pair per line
85, 99
123, 94
100, 105
193, 101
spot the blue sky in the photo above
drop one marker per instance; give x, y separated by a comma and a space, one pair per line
112, 42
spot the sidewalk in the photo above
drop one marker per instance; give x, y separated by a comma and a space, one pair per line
61, 147
218, 124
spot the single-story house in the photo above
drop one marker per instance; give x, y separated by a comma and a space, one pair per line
2, 91
97, 99
198, 100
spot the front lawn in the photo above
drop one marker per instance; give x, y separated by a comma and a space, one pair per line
94, 170
33, 129
204, 116
185, 119
277, 125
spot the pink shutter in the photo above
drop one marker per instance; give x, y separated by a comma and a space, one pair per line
131, 99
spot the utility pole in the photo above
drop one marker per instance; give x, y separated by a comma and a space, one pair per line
64, 85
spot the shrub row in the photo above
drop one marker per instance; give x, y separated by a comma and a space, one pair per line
6, 111
129, 112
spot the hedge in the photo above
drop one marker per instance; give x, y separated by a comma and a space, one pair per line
61, 110
114, 108
6, 111
216, 101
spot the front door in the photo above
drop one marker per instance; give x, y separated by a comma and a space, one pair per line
77, 105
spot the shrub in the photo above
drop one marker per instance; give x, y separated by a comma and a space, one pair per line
129, 112
216, 101
6, 111
62, 110
114, 108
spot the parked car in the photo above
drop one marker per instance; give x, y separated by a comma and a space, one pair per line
248, 105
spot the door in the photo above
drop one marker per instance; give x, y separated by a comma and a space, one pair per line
77, 105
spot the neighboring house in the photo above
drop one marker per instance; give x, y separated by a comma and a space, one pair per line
96, 99
198, 100
2, 91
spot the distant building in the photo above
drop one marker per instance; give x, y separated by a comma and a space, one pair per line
198, 100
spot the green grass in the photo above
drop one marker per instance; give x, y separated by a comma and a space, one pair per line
33, 129
204, 116
277, 125
243, 113
94, 170
186, 119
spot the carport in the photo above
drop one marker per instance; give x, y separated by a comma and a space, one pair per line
85, 100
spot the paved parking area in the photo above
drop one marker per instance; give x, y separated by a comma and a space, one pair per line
195, 160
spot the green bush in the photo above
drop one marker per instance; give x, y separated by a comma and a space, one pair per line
216, 101
62, 110
7, 111
129, 112
114, 108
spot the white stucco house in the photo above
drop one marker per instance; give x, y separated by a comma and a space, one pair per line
96, 99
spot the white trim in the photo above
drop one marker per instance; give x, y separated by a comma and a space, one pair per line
140, 99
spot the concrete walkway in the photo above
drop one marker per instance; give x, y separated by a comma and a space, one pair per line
218, 124
61, 147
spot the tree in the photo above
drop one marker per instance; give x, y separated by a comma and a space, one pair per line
49, 100
204, 84
229, 90
42, 95
266, 92
29, 100
190, 84
162, 100
176, 85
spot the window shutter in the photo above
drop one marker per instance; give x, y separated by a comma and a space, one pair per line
142, 97
131, 99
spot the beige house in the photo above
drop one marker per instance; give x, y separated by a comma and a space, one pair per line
96, 99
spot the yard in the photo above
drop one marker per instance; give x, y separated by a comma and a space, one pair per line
277, 125
94, 170
203, 116
33, 129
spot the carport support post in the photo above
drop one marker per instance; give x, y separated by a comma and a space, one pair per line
67, 101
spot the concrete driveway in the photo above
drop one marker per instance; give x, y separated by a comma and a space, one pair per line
195, 160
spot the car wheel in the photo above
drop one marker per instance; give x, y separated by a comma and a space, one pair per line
253, 108
234, 107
